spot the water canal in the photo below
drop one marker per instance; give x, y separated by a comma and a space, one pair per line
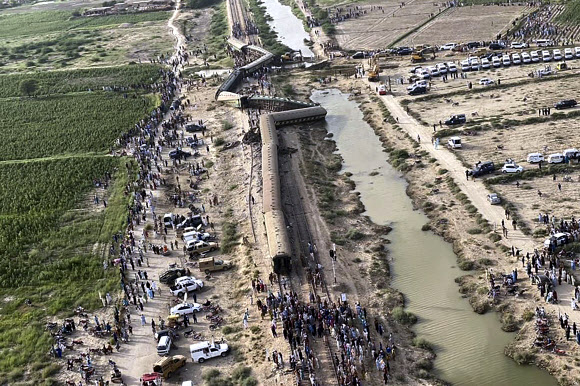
469, 347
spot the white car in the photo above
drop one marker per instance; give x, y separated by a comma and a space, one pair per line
424, 74
465, 65
505, 60
206, 350
526, 58
568, 54
451, 67
535, 157
442, 68
516, 59
423, 83
512, 168
577, 51
185, 286
485, 64
517, 45
546, 56
486, 81
433, 71
447, 47
185, 309
535, 57
496, 62
557, 55
474, 62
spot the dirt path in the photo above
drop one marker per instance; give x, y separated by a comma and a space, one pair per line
476, 192
180, 39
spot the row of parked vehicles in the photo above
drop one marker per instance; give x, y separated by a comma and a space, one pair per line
494, 60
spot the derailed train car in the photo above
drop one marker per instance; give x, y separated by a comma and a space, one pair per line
277, 232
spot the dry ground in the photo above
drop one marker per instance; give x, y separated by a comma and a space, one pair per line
465, 24
376, 29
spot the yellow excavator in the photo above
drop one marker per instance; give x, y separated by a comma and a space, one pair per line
420, 56
375, 69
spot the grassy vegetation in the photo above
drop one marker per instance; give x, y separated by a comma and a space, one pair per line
40, 23
403, 317
571, 14
67, 81
51, 245
268, 36
218, 32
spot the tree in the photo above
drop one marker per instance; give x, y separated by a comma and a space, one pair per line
28, 87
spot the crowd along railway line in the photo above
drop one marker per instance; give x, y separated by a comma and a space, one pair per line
304, 280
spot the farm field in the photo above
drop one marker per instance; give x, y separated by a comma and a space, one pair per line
52, 234
465, 24
57, 39
376, 30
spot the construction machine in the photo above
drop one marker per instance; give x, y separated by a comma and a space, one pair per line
562, 66
420, 56
375, 69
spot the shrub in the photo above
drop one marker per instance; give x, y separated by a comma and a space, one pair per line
524, 358
422, 343
528, 315
426, 227
474, 231
219, 141
403, 317
466, 265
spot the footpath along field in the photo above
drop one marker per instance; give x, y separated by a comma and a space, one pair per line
52, 235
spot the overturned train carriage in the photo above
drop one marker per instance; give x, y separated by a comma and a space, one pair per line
276, 229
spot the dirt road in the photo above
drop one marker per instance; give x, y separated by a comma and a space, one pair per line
475, 191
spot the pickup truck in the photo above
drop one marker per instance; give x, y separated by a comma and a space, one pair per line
196, 247
185, 286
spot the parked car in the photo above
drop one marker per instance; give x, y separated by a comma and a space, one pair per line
496, 46
485, 64
571, 153
202, 351
185, 309
192, 127
422, 83
568, 54
535, 157
557, 55
577, 52
179, 154
164, 345
474, 63
404, 51
167, 332
496, 62
535, 57
526, 58
451, 67
454, 143
456, 119
558, 239
556, 158
472, 45
185, 286
168, 220
211, 264
493, 199
442, 68
359, 55
565, 104
483, 168
169, 276
516, 59
465, 65
382, 90
546, 56
197, 247
447, 47
168, 366
512, 168
418, 90
486, 81
517, 45
505, 60
544, 43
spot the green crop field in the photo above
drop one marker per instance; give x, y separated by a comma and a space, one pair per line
52, 243
41, 23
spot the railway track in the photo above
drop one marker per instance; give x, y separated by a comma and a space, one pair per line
300, 236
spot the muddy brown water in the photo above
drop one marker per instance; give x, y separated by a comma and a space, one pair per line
289, 28
469, 347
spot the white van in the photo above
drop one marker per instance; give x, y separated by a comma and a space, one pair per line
516, 59
557, 55
454, 143
206, 350
571, 153
544, 43
505, 60
465, 65
164, 345
526, 58
535, 157
485, 64
546, 56
556, 158
496, 62
535, 57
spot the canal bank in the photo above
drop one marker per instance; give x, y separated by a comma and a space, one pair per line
289, 28
469, 347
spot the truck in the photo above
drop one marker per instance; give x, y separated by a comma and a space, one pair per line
210, 264
207, 350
